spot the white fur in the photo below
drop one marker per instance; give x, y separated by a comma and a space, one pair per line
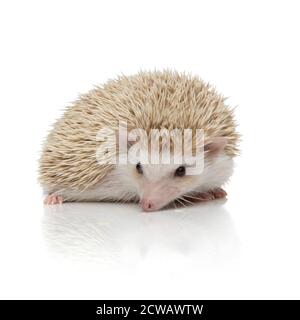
216, 173
123, 184
114, 187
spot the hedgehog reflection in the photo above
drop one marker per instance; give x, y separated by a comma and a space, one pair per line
110, 234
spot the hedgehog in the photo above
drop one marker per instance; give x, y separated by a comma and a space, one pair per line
85, 156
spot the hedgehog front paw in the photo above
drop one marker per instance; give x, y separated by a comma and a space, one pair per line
218, 193
53, 199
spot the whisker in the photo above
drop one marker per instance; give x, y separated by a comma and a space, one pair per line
189, 202
182, 203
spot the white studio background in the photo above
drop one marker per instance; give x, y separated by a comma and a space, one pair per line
247, 247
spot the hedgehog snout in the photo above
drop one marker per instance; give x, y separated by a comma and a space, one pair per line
147, 205
156, 196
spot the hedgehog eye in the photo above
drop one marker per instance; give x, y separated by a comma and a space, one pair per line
180, 171
139, 168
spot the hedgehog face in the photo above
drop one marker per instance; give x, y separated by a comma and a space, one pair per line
160, 184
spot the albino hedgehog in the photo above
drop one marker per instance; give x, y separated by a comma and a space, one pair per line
69, 166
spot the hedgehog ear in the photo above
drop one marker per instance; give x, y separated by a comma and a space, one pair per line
215, 146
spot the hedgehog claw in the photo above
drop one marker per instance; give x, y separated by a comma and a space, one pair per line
217, 193
53, 199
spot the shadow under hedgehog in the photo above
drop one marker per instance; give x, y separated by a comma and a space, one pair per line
70, 169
